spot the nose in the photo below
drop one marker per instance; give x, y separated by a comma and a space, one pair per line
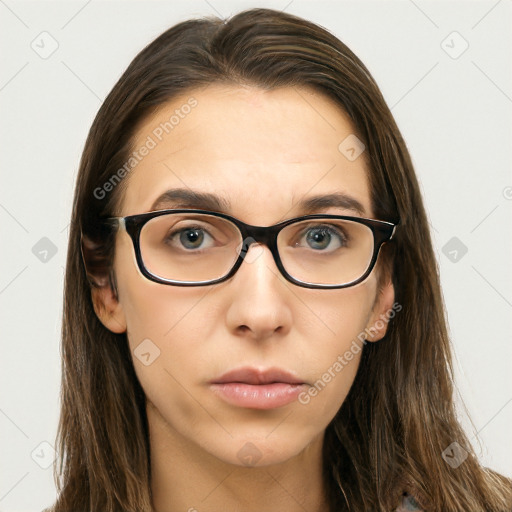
260, 297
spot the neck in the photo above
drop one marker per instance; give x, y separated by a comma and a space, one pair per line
185, 477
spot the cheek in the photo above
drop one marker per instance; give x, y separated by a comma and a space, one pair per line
334, 318
333, 357
167, 328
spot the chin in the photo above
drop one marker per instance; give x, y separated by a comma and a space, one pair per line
259, 451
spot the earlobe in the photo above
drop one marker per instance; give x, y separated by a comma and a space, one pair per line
108, 308
383, 310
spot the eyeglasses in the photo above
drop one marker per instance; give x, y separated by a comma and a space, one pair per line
199, 247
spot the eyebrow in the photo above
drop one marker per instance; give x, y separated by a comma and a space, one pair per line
188, 198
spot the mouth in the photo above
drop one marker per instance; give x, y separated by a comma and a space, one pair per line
258, 389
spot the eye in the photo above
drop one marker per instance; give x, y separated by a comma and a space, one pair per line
190, 238
325, 237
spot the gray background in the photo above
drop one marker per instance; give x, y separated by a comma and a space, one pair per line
454, 110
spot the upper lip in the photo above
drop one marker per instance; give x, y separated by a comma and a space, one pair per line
255, 376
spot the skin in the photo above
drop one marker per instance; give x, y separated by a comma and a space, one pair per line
264, 151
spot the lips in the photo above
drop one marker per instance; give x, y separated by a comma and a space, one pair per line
257, 377
255, 389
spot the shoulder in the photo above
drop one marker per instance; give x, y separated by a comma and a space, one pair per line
408, 504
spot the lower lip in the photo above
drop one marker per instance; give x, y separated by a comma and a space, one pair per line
261, 396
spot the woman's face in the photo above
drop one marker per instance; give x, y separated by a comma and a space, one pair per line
262, 153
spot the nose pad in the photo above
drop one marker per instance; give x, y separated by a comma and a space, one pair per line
249, 250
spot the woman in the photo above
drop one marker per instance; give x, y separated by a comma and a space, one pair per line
253, 317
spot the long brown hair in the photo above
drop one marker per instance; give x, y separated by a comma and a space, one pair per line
389, 434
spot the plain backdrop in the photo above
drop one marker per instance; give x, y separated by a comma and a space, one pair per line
444, 69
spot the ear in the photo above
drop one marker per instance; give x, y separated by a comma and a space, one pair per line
104, 294
384, 308
108, 308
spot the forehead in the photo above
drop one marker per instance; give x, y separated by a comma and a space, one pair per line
262, 151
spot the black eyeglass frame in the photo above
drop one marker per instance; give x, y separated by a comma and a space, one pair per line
383, 231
